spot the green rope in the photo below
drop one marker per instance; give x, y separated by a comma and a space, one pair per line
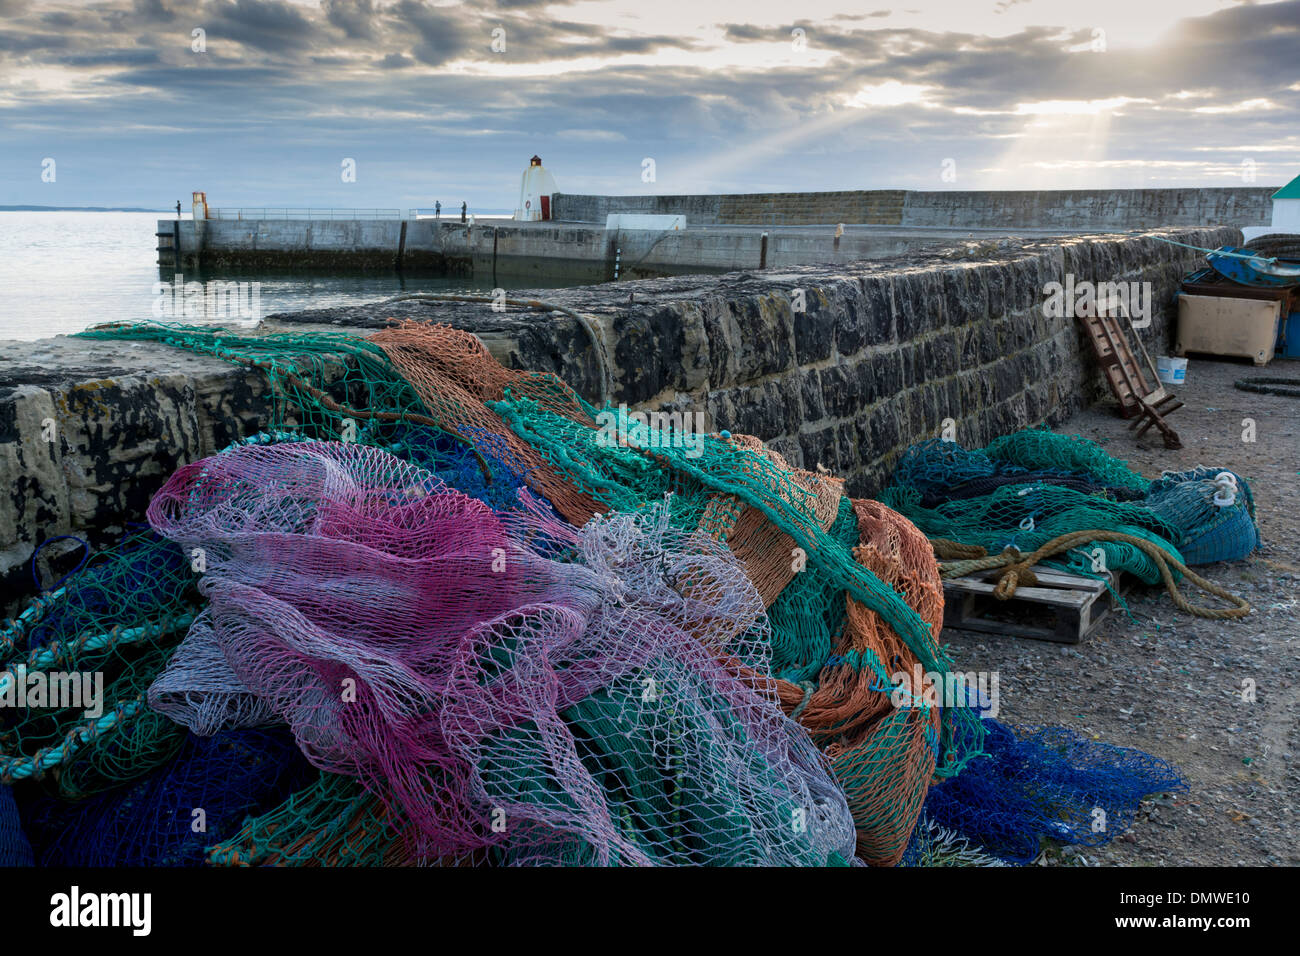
1226, 255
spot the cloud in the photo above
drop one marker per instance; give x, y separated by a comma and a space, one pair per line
592, 135
153, 11
441, 31
12, 41
889, 93
871, 101
271, 25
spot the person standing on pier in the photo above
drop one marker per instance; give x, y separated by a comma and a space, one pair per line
463, 207
437, 209
178, 209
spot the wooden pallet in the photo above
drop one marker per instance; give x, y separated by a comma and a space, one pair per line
1063, 607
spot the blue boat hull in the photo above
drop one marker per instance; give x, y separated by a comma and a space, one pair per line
1256, 270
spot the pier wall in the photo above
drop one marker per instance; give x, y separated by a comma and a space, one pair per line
1081, 210
1237, 206
724, 232
884, 351
513, 253
875, 206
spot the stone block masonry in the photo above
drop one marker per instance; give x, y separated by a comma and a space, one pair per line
1072, 210
877, 206
884, 352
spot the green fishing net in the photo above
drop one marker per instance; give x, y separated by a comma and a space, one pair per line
1025, 489
106, 632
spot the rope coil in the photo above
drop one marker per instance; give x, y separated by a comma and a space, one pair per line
1017, 570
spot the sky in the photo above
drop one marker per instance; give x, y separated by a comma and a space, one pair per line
371, 103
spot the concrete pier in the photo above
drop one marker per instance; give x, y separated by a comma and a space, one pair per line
723, 233
516, 252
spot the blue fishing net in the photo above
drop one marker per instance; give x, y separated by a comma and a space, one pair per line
1207, 531
170, 817
14, 848
945, 471
1046, 782
942, 464
1030, 487
456, 464
1036, 448
144, 578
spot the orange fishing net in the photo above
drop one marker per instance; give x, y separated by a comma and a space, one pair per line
454, 375
770, 555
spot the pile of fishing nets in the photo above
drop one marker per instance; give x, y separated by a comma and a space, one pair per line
598, 707
443, 612
1031, 487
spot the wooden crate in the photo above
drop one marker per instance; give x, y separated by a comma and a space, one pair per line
1063, 607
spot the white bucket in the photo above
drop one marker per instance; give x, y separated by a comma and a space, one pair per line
1172, 371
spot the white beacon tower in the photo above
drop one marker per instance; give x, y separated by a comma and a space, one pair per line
535, 192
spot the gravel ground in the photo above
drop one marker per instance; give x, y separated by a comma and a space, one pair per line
1169, 683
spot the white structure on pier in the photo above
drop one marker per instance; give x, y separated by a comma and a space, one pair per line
536, 190
1286, 213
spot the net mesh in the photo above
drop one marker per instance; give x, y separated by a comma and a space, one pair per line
333, 821
456, 379
1027, 511
505, 627
1212, 511
15, 849
105, 634
780, 522
1027, 488
933, 845
1046, 782
169, 817
325, 385
609, 708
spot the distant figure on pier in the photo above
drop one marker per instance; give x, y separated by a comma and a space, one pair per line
437, 209
178, 209
463, 207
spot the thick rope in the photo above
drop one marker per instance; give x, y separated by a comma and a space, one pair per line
20, 768
1018, 571
1286, 387
945, 548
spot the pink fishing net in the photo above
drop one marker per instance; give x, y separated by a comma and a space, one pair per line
600, 709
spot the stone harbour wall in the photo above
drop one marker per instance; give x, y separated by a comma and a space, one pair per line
884, 351
878, 206
1075, 210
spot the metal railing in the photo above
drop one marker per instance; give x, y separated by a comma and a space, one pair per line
452, 214
288, 213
